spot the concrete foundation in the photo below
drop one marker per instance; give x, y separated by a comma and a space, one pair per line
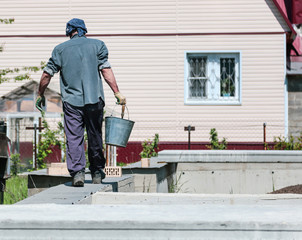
155, 178
231, 172
112, 211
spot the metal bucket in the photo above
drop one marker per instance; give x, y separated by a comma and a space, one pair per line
117, 130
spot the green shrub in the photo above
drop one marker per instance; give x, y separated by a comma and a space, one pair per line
15, 167
291, 143
150, 147
48, 138
215, 145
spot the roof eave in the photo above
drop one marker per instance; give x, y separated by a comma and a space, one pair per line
293, 32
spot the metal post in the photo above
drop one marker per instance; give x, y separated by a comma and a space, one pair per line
189, 129
107, 155
35, 128
114, 156
40, 129
8, 124
111, 156
3, 159
17, 135
189, 136
264, 136
35, 139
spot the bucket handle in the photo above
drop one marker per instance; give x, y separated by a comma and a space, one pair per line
123, 111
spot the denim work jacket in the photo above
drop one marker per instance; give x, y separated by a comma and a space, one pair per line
79, 61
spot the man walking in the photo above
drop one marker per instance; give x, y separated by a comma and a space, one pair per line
80, 61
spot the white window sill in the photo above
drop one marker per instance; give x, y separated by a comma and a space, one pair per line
208, 102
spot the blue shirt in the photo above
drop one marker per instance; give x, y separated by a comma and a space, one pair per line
79, 61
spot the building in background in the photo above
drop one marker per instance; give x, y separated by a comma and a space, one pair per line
209, 64
18, 110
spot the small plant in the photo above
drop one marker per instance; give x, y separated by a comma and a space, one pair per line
15, 159
150, 147
215, 145
175, 186
291, 143
48, 138
121, 164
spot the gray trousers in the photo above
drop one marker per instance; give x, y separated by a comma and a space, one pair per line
75, 120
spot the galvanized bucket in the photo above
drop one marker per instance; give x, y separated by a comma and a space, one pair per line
118, 130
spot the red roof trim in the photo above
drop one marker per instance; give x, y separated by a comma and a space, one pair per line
284, 17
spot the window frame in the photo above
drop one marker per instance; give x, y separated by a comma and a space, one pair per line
221, 101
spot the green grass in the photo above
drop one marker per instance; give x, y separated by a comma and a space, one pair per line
15, 190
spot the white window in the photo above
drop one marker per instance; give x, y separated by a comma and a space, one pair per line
212, 78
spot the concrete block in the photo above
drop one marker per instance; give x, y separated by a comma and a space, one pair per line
113, 171
145, 162
58, 169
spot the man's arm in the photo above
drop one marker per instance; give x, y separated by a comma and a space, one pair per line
40, 101
111, 81
45, 80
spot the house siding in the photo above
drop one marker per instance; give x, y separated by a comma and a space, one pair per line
150, 69
137, 16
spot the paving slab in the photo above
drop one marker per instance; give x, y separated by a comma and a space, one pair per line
67, 194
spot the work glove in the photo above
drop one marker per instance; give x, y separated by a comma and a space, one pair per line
121, 100
40, 101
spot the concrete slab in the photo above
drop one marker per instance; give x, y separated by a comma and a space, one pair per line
104, 198
67, 194
143, 221
218, 156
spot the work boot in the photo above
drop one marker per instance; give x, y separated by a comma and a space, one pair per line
78, 179
98, 176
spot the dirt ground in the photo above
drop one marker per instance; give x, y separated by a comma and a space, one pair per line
297, 189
